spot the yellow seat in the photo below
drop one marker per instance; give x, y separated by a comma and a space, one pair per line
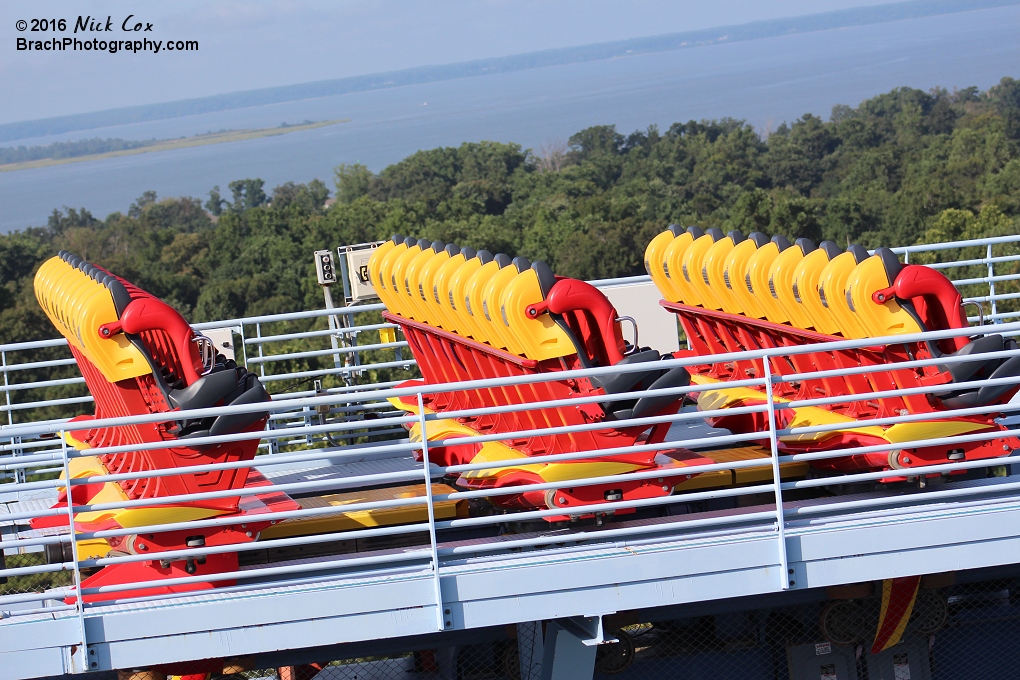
397, 272
805, 285
375, 267
435, 312
832, 292
386, 264
781, 281
539, 338
412, 281
756, 278
458, 288
692, 269
735, 271
77, 305
423, 281
714, 271
655, 259
443, 291
496, 327
879, 319
673, 263
473, 299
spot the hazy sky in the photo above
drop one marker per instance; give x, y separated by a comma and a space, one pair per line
246, 44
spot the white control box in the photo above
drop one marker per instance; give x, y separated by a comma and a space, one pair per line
356, 257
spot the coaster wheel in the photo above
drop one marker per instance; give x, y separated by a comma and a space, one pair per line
511, 662
617, 657
844, 622
930, 612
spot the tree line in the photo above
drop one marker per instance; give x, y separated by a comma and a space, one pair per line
903, 167
84, 147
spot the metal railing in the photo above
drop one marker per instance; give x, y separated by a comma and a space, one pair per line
305, 424
433, 555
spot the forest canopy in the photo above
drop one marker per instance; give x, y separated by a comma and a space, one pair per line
903, 167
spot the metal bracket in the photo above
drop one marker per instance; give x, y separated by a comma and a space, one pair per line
587, 629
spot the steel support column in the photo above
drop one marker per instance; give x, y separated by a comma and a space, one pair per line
570, 646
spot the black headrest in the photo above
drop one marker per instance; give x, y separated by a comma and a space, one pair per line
452, 249
397, 239
424, 243
74, 261
120, 295
830, 248
694, 231
736, 236
860, 253
546, 278
716, 234
759, 238
522, 264
410, 241
503, 260
437, 246
806, 245
484, 255
891, 263
468, 253
675, 229
63, 255
781, 241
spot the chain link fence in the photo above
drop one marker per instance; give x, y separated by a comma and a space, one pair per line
955, 631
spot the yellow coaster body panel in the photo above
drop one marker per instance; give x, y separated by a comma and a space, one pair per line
540, 338
756, 278
832, 294
735, 278
714, 268
364, 519
77, 306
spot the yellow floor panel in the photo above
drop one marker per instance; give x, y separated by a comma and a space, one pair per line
363, 519
754, 474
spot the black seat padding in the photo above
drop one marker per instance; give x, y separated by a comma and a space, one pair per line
989, 393
980, 369
806, 245
830, 248
205, 392
637, 381
653, 405
231, 385
615, 383
236, 422
859, 252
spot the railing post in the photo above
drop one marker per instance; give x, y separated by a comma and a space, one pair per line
273, 442
991, 283
784, 569
19, 473
262, 364
244, 346
79, 605
441, 622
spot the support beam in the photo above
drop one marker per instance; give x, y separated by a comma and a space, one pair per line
570, 646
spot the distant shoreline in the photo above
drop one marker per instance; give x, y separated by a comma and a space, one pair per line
171, 144
756, 30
